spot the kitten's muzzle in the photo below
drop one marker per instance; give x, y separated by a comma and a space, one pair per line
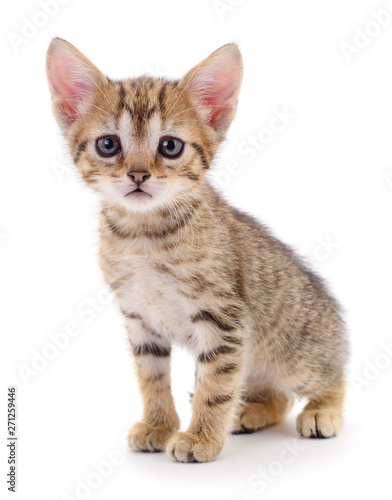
139, 176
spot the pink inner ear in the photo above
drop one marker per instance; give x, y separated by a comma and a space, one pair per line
70, 80
216, 99
218, 85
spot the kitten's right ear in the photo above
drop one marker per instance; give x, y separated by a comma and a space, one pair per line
215, 84
72, 80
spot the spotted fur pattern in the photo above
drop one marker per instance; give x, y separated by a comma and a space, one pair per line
189, 269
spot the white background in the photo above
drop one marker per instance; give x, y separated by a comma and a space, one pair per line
323, 184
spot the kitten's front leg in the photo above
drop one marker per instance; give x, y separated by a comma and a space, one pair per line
152, 358
215, 403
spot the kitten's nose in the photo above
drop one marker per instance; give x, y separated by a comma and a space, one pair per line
139, 176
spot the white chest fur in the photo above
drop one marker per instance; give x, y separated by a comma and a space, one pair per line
154, 295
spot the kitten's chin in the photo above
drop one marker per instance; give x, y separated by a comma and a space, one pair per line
138, 194
139, 201
135, 201
152, 197
128, 197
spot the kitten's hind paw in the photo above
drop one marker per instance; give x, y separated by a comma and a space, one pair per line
247, 423
145, 437
255, 416
318, 423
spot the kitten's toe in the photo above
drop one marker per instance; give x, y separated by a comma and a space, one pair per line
145, 437
319, 423
186, 447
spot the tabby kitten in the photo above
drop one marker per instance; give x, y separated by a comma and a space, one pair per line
187, 268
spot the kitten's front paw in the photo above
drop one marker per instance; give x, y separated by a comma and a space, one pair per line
318, 423
186, 447
145, 437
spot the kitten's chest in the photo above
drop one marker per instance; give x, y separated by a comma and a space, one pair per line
155, 295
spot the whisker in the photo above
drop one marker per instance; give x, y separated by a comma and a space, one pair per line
207, 205
103, 93
192, 222
90, 104
189, 217
196, 107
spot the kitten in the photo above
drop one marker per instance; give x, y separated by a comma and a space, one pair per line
187, 268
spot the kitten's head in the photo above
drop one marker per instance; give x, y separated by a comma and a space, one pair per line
144, 142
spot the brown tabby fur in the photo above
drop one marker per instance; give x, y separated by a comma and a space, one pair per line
195, 271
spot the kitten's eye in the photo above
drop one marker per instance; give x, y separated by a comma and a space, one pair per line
170, 147
108, 145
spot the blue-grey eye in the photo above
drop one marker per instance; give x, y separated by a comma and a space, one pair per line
170, 147
108, 145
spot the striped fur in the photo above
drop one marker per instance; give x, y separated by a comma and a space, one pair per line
187, 268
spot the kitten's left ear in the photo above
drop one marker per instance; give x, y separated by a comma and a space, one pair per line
215, 84
72, 80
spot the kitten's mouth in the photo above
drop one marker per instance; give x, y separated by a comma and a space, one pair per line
138, 193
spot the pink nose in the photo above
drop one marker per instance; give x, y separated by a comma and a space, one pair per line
139, 176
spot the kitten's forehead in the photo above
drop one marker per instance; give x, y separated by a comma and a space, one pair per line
144, 98
138, 112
